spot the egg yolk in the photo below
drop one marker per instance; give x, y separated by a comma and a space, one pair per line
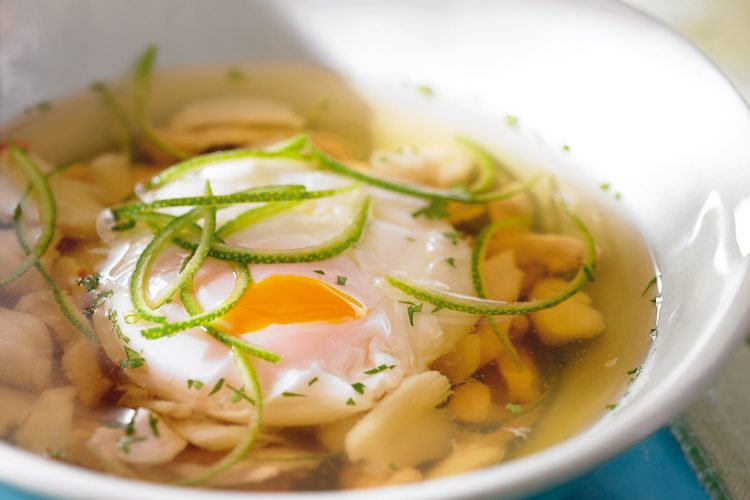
285, 299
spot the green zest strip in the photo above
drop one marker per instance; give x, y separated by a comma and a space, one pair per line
141, 84
47, 211
122, 121
475, 305
487, 169
478, 256
253, 427
191, 304
313, 253
200, 319
427, 193
260, 194
140, 278
185, 167
65, 303
196, 260
252, 216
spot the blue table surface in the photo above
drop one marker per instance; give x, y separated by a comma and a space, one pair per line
654, 469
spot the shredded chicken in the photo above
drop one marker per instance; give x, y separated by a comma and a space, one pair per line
25, 351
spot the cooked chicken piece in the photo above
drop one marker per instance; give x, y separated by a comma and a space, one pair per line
81, 368
25, 351
42, 305
49, 424
14, 407
11, 256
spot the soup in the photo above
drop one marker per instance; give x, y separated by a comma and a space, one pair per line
268, 294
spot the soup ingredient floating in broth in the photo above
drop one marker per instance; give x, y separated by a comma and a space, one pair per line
273, 310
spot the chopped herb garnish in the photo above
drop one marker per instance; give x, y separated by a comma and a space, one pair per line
112, 315
611, 406
411, 309
511, 120
634, 373
410, 238
604, 186
287, 394
437, 209
126, 442
618, 196
153, 422
649, 286
98, 301
438, 308
653, 333
426, 90
57, 453
378, 369
350, 402
194, 383
133, 359
452, 236
514, 408
341, 280
359, 387
124, 225
44, 106
392, 466
320, 272
451, 261
589, 273
217, 387
566, 147
312, 381
382, 157
235, 74
90, 282
653, 299
239, 394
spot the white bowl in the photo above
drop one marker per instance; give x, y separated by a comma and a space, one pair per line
644, 110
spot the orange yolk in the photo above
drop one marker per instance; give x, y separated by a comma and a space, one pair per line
285, 299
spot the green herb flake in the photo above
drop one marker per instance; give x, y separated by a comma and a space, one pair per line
566, 147
235, 74
437, 209
411, 309
392, 466
359, 387
44, 106
411, 238
112, 316
126, 442
153, 422
57, 453
133, 359
511, 120
90, 282
380, 368
194, 383
341, 280
100, 298
437, 308
288, 394
611, 406
514, 408
312, 381
589, 273
452, 236
320, 272
653, 333
217, 387
649, 286
239, 394
451, 261
634, 373
604, 186
425, 90
350, 402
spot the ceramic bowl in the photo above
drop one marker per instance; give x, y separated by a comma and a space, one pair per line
640, 107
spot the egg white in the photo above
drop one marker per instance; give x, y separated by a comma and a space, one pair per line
320, 360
